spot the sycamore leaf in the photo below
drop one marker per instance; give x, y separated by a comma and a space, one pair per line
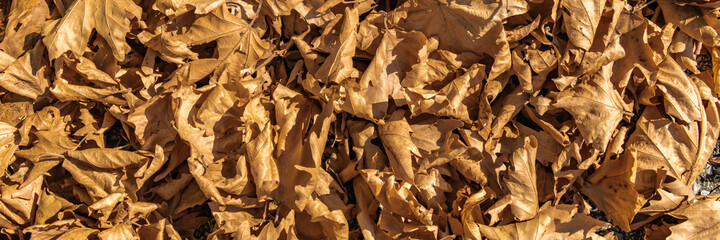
536, 228
701, 220
412, 119
66, 229
65, 91
240, 46
263, 166
460, 25
659, 143
26, 19
18, 203
153, 122
581, 20
120, 231
106, 158
168, 48
596, 107
26, 75
521, 180
380, 82
217, 24
464, 25
7, 144
614, 191
402, 152
455, 99
252, 52
87, 69
681, 97
571, 229
339, 65
77, 233
691, 21
174, 8
395, 197
111, 20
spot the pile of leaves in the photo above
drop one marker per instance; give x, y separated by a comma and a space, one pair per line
420, 119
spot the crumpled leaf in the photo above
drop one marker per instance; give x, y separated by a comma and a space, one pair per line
26, 19
597, 109
7, 143
111, 20
477, 23
613, 191
660, 143
543, 226
122, 231
680, 94
153, 122
178, 7
521, 181
700, 220
380, 82
581, 20
689, 21
106, 158
395, 197
26, 75
402, 153
339, 65
262, 164
414, 119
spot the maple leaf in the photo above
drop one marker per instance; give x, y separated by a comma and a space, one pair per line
596, 107
416, 119
111, 20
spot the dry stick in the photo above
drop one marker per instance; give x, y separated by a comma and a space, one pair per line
353, 1
641, 6
258, 13
715, 188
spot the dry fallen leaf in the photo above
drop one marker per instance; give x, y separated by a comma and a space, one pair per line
701, 220
111, 20
413, 119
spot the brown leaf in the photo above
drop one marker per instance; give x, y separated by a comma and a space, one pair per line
701, 220
107, 158
581, 20
262, 164
26, 75
396, 198
612, 189
691, 20
7, 144
521, 180
536, 228
339, 65
658, 143
153, 122
455, 99
173, 8
402, 152
26, 20
681, 97
111, 21
380, 82
121, 231
413, 119
597, 109
469, 24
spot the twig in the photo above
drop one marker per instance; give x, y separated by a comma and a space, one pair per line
257, 13
641, 6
